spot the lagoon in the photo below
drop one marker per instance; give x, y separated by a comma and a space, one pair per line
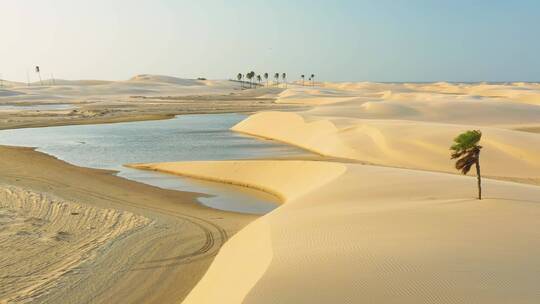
184, 138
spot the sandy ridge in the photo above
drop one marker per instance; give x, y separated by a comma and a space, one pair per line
404, 144
257, 174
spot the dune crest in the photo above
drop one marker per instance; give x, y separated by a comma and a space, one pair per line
318, 136
416, 145
257, 174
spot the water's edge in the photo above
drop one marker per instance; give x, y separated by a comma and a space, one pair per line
183, 138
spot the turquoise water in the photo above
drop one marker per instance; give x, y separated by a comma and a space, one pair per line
184, 138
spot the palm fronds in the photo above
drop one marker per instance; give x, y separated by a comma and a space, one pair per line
467, 152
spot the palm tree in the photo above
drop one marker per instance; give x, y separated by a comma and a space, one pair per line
312, 80
284, 77
276, 76
266, 77
259, 78
239, 77
303, 77
467, 152
250, 76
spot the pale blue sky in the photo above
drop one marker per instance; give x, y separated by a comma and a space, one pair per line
407, 40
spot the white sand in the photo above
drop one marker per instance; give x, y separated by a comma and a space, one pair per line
383, 234
411, 125
255, 174
409, 144
376, 235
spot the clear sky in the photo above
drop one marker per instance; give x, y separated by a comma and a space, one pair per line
340, 40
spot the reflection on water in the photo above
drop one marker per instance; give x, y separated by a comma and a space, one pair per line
186, 137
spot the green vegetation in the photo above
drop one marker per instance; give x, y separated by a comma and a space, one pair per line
467, 152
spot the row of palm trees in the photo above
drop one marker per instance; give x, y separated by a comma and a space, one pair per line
252, 77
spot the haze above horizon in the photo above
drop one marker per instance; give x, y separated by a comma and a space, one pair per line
387, 41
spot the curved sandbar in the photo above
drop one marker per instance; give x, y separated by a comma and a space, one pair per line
302, 176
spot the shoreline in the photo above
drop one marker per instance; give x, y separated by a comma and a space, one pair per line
116, 119
167, 257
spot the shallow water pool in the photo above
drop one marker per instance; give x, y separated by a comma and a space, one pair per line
184, 138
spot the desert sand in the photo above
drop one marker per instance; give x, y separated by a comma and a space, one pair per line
385, 218
46, 238
147, 245
158, 240
412, 125
143, 97
374, 234
388, 219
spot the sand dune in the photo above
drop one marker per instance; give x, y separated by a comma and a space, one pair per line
346, 232
411, 125
383, 234
137, 85
450, 103
45, 238
417, 145
165, 79
262, 175
378, 235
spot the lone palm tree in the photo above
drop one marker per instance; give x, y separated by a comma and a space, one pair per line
467, 152
312, 80
284, 77
266, 77
259, 79
239, 77
303, 77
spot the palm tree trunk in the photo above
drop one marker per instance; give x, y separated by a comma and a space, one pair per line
478, 177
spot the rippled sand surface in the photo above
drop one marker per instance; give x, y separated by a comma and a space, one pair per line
43, 238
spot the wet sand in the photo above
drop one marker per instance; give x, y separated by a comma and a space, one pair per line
167, 254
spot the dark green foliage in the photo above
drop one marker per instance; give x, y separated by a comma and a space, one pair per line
467, 152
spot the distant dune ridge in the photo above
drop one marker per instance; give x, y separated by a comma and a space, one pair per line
54, 89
